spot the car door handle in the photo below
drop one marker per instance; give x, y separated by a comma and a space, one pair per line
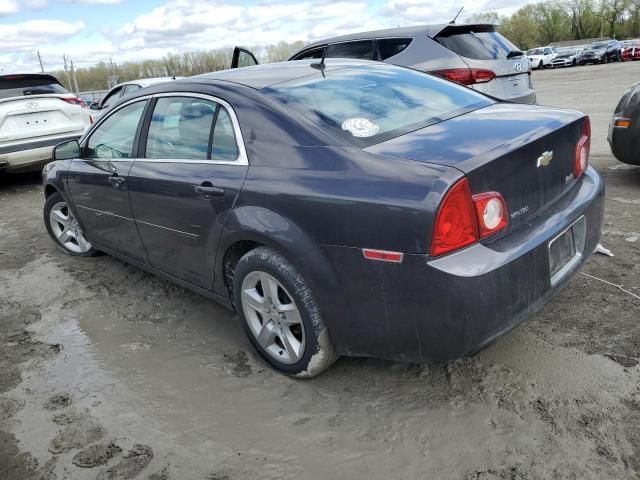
117, 181
207, 190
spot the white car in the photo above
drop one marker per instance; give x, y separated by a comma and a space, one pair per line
36, 114
122, 90
541, 57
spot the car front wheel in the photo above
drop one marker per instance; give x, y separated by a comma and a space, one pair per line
280, 314
64, 229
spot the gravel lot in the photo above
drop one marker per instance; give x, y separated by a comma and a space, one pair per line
107, 372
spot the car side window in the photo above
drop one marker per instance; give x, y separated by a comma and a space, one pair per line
225, 145
315, 53
547, 51
362, 50
130, 89
115, 136
111, 98
388, 47
180, 128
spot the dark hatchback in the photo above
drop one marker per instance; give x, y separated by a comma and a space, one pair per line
347, 208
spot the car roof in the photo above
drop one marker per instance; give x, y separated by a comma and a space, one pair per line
429, 30
31, 76
147, 82
261, 76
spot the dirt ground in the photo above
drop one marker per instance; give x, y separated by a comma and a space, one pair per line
109, 373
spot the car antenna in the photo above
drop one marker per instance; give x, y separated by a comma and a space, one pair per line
321, 65
457, 15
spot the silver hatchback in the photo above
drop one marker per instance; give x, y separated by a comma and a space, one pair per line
471, 54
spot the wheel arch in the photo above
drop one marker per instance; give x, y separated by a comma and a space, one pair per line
250, 227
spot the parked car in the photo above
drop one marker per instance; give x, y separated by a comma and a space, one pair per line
122, 90
36, 113
541, 57
624, 129
341, 207
474, 55
631, 51
602, 52
567, 58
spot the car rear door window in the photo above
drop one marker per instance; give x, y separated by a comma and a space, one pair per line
315, 53
180, 128
115, 136
476, 42
225, 146
388, 47
362, 50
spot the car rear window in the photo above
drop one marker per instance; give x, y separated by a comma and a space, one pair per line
365, 105
19, 86
478, 43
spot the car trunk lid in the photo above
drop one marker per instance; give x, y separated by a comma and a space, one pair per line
36, 116
526, 153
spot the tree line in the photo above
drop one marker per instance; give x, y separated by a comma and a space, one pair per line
543, 23
535, 24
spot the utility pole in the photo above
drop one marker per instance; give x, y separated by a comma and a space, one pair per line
40, 60
66, 69
75, 80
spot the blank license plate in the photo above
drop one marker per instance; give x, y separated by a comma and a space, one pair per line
566, 250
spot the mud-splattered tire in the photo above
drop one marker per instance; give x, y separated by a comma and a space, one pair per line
280, 315
64, 229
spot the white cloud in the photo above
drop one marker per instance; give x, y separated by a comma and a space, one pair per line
8, 7
187, 25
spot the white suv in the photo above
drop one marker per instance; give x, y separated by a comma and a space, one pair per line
36, 113
541, 57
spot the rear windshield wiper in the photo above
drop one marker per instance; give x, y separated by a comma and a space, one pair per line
514, 53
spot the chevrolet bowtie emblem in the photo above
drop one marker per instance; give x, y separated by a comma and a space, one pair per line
544, 159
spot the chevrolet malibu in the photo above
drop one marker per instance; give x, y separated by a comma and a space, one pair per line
340, 207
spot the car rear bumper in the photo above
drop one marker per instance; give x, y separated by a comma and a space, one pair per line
623, 143
14, 156
434, 310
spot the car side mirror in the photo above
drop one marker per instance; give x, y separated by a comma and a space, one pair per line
94, 106
67, 150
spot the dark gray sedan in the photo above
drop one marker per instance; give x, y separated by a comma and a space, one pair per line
347, 208
624, 129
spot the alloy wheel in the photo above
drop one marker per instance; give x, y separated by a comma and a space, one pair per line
66, 229
273, 317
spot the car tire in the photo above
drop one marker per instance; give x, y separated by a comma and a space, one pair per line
64, 228
282, 321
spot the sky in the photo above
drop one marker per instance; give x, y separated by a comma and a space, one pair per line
89, 31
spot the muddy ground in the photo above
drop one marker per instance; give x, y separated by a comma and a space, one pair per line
107, 372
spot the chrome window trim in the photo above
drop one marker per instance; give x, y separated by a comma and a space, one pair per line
242, 160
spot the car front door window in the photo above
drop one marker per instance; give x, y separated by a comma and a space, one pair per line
114, 137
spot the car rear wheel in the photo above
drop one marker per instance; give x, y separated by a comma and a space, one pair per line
280, 314
64, 228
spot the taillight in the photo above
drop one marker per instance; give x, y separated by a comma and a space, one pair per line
491, 212
74, 101
581, 160
456, 225
463, 219
466, 76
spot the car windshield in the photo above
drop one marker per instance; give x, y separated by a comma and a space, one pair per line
535, 51
597, 46
23, 85
567, 54
365, 105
